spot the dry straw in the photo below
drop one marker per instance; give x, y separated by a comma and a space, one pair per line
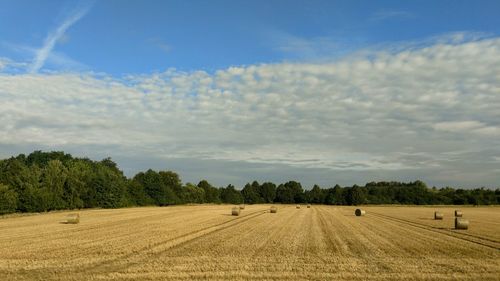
298, 206
458, 213
235, 211
308, 205
274, 210
359, 212
242, 207
73, 218
438, 215
461, 223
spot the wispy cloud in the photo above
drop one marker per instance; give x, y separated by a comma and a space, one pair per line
161, 44
50, 41
384, 14
57, 59
9, 66
312, 48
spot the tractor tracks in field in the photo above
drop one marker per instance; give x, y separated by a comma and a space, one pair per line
197, 235
476, 239
155, 250
108, 232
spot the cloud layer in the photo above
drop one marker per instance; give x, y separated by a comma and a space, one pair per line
430, 112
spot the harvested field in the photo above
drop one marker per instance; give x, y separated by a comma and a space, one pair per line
206, 242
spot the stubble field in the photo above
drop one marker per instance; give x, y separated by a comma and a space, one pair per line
206, 242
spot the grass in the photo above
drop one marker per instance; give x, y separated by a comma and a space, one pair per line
204, 242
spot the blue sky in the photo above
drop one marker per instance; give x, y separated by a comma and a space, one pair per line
122, 37
327, 92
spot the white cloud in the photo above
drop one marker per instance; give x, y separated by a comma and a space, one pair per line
50, 41
390, 112
460, 126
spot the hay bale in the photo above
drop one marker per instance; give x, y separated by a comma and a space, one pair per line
73, 219
461, 223
235, 211
308, 205
438, 215
242, 207
298, 206
458, 213
274, 210
359, 212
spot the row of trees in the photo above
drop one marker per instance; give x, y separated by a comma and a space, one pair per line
44, 181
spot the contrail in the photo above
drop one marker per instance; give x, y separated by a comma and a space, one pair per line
51, 39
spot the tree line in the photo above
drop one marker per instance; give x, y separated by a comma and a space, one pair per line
45, 181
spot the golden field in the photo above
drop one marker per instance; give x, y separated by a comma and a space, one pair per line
206, 242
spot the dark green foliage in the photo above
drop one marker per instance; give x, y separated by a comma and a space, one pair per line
268, 192
335, 196
77, 183
211, 193
53, 180
251, 193
44, 181
172, 181
290, 192
356, 195
158, 187
193, 194
42, 158
231, 195
25, 181
110, 187
316, 195
137, 195
8, 200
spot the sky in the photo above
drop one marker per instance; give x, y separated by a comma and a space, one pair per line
322, 92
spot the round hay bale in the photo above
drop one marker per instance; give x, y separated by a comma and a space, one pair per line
235, 211
461, 223
274, 210
242, 207
308, 205
298, 206
73, 219
438, 215
359, 212
458, 213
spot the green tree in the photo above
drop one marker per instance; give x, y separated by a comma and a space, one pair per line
290, 192
77, 186
231, 195
251, 193
54, 177
355, 196
25, 181
211, 193
156, 188
110, 187
268, 192
43, 158
173, 184
137, 195
317, 195
8, 200
193, 194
